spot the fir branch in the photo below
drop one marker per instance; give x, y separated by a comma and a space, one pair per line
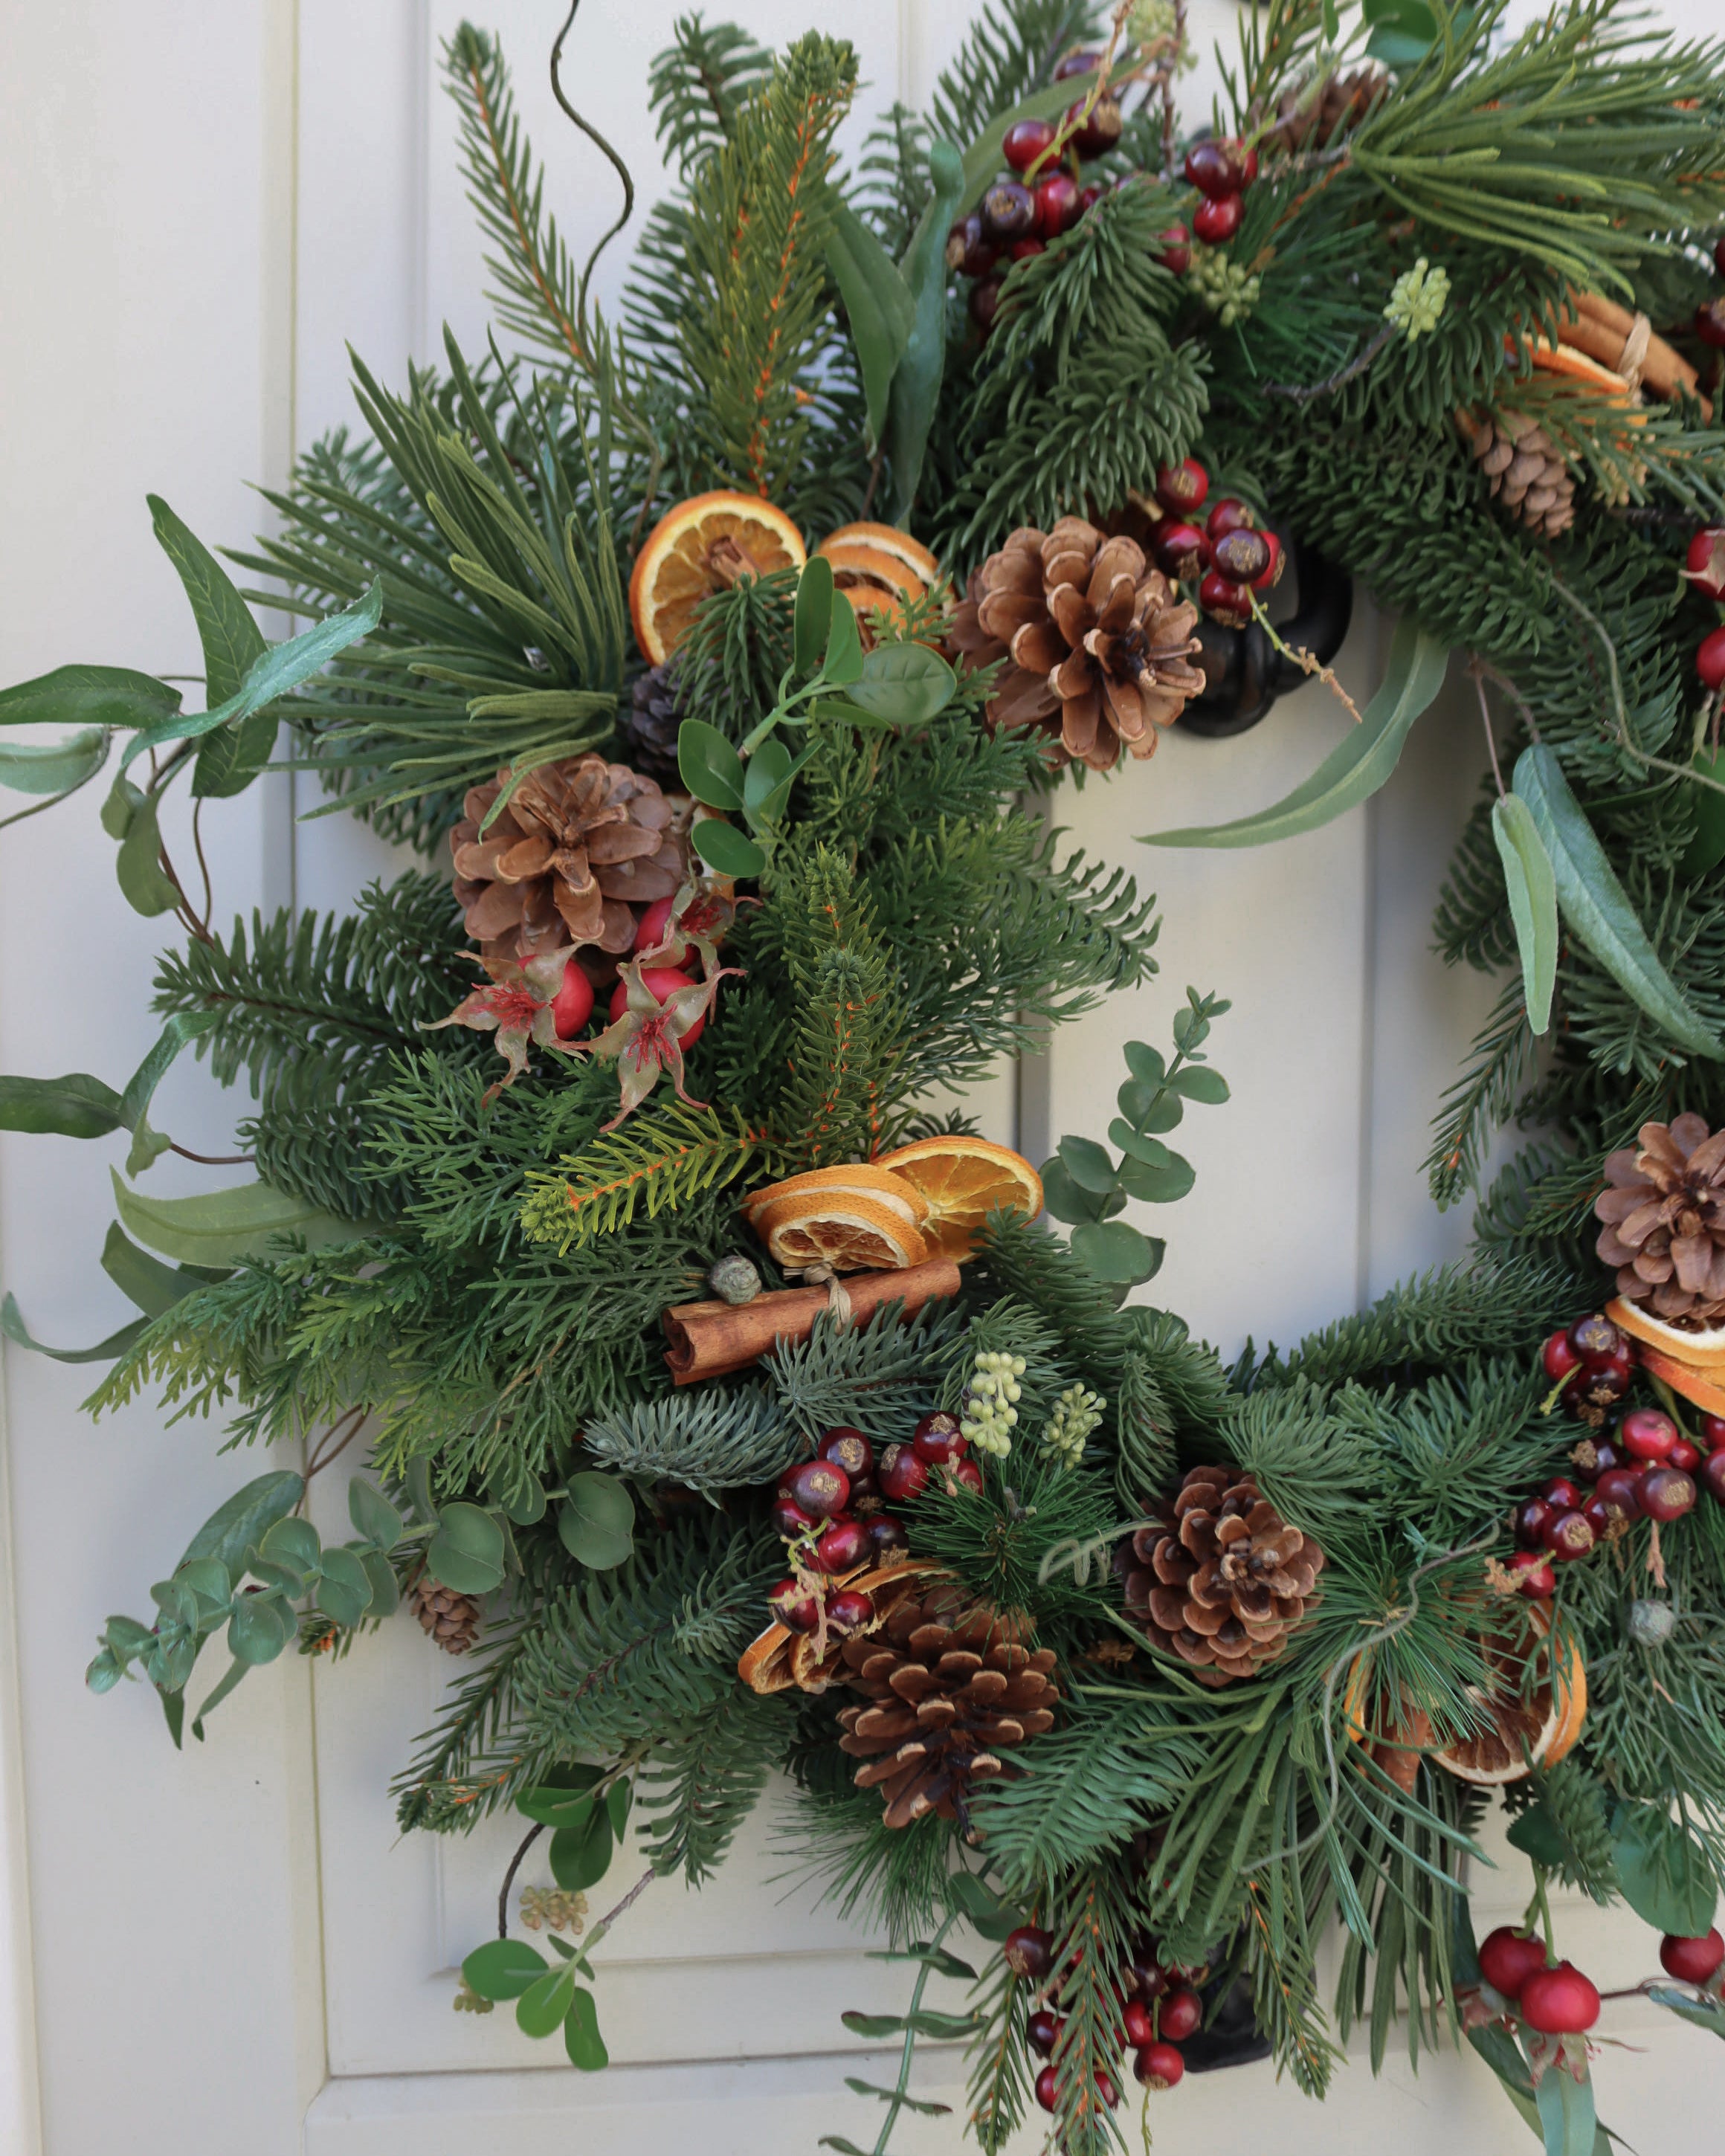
697, 1793
1009, 50
468, 1765
879, 1377
1482, 1097
699, 85
661, 1160
705, 1438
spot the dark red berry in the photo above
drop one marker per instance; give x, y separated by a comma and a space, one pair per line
1217, 219
1228, 514
843, 1545
1224, 600
1043, 2029
1009, 212
820, 1487
1278, 561
967, 1474
1137, 2023
968, 248
1508, 1959
1596, 1385
1595, 1456
1148, 1976
1177, 249
984, 303
1243, 555
1181, 2013
900, 1473
1619, 1491
1559, 1357
1088, 197
1710, 653
938, 1438
1045, 2089
848, 1611
1710, 328
1647, 1434
1212, 170
1594, 1338
1057, 205
1691, 1961
1568, 1535
1158, 2066
1531, 1518
1560, 2001
1080, 60
849, 1449
1021, 250
1666, 1493
1094, 133
1030, 1952
1599, 1517
572, 1006
1704, 563
1719, 256
1713, 1431
794, 1606
1182, 551
1684, 1456
886, 1536
1025, 141
1105, 2088
1181, 488
1712, 1473
790, 1519
1561, 1494
1533, 1574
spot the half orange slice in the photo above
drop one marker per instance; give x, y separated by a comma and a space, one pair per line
839, 1228
963, 1180
697, 549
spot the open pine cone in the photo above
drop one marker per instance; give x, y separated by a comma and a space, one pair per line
1098, 641
1223, 1580
1528, 474
452, 1619
1664, 1211
951, 1685
579, 843
1304, 121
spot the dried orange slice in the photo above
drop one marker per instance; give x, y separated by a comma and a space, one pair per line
1702, 1389
963, 1179
1525, 1728
1700, 1351
852, 541
694, 550
839, 1228
861, 1179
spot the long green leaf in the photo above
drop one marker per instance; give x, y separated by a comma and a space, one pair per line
1356, 767
878, 302
109, 696
233, 644
225, 1227
75, 1106
54, 767
1596, 906
153, 1286
1532, 902
12, 1324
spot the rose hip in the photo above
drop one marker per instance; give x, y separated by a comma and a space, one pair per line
1532, 1571
1508, 1959
1568, 1535
1666, 1493
1647, 1434
1691, 1961
820, 1486
901, 1474
1182, 2012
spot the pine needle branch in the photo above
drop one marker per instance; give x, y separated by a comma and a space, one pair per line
659, 1162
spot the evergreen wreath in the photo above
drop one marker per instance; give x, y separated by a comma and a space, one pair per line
1149, 1670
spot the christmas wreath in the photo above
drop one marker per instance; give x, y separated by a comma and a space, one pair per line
729, 1402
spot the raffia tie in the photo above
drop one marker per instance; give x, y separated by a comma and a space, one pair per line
1634, 355
838, 1302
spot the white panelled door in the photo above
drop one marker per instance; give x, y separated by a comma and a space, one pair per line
230, 1950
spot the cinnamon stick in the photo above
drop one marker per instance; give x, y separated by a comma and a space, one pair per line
711, 1339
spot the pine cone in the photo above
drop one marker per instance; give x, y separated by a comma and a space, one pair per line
1098, 641
452, 1619
1304, 122
1664, 1212
1528, 474
951, 1685
650, 725
1224, 1580
579, 843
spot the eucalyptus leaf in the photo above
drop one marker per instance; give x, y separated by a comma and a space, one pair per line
1150, 1106
235, 1671
1117, 1253
50, 767
259, 1628
1151, 1152
294, 1542
110, 697
224, 1227
372, 1514
1146, 1062
1063, 1197
1532, 888
708, 766
596, 1520
238, 1524
723, 847
345, 1591
1197, 1082
1090, 1165
467, 1552
1164, 1185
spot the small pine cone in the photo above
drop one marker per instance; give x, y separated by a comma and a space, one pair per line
1664, 1214
452, 1619
1222, 1580
650, 725
1305, 122
951, 1685
1527, 472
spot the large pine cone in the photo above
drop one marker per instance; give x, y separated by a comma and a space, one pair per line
1664, 1211
650, 725
1527, 473
452, 1619
1223, 1579
579, 843
1305, 122
1098, 642
951, 1687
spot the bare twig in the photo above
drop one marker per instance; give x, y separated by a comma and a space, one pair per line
515, 1865
1303, 393
326, 1451
1307, 661
214, 1159
1477, 672
209, 896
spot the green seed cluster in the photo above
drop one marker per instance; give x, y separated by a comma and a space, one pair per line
1416, 303
551, 1906
990, 1407
1076, 1413
1227, 288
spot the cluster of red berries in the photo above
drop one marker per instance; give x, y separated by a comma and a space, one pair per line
1228, 555
572, 1006
1160, 2010
1705, 569
1221, 171
1709, 315
1555, 1998
831, 1511
1044, 194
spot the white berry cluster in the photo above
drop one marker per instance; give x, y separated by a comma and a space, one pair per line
990, 1406
1076, 1413
1417, 302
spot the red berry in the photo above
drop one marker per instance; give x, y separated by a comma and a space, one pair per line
1181, 2013
886, 1535
968, 248
1009, 212
1105, 2088
849, 1449
1057, 207
1598, 1384
1560, 2001
794, 1606
572, 1006
1595, 1456
1181, 488
1562, 1494
1507, 1960
1594, 1338
1030, 1952
1712, 1473
1719, 256
1647, 1434
1278, 561
1025, 141
1158, 2066
1666, 1493
1224, 600
1137, 2023
1533, 1575
848, 1611
1619, 1491
1568, 1535
1182, 551
1532, 1516
1176, 249
1713, 1431
1079, 61
1691, 1961
967, 1474
1559, 1357
938, 1438
1217, 219
820, 1487
1214, 169
1045, 2089
1705, 561
843, 1546
1684, 1456
1088, 197
1043, 2029
1021, 250
1710, 657
1094, 135
984, 303
1148, 1977
790, 1519
1228, 514
1710, 328
649, 932
1243, 555
661, 983
901, 1474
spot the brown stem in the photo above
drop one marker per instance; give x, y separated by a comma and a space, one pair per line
622, 1908
209, 896
213, 1159
325, 1452
1303, 393
515, 1865
1474, 669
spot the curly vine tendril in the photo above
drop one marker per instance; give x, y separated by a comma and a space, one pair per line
594, 137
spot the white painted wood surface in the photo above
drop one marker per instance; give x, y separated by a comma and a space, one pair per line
229, 1948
